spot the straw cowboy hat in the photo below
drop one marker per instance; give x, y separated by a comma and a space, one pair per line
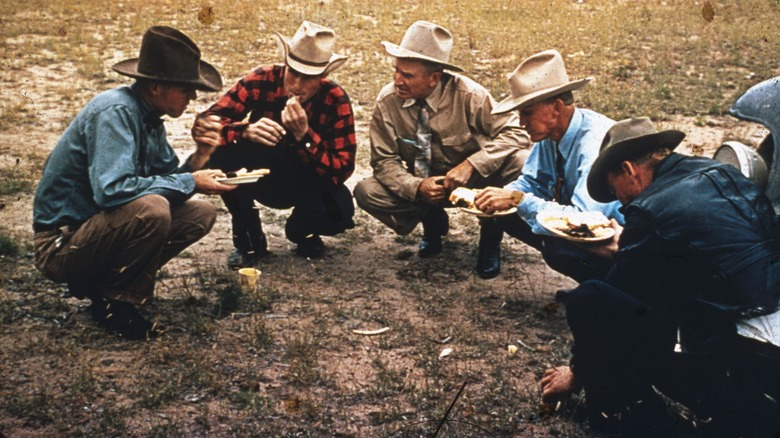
538, 77
310, 51
425, 41
629, 138
168, 55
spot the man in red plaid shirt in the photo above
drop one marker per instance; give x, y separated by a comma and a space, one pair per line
300, 127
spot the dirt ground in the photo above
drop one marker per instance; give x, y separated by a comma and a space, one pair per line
313, 375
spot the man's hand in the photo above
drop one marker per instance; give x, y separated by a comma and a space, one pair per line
608, 249
206, 182
432, 190
493, 199
295, 119
264, 131
206, 131
458, 176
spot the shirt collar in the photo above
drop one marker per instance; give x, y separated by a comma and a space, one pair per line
432, 100
567, 141
149, 118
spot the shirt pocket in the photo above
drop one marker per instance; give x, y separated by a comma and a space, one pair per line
407, 149
458, 146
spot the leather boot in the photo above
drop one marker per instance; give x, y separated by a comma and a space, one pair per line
489, 255
436, 224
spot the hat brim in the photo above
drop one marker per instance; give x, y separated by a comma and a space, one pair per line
609, 158
336, 60
209, 80
400, 52
512, 103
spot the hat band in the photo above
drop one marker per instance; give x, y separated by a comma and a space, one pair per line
303, 61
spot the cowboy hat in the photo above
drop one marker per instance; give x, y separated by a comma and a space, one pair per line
310, 51
538, 77
168, 55
626, 139
425, 41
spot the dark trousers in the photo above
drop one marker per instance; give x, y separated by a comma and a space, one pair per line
559, 254
319, 207
623, 348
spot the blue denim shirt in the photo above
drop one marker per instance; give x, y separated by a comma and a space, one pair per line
579, 146
114, 151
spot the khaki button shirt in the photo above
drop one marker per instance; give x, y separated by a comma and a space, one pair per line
462, 128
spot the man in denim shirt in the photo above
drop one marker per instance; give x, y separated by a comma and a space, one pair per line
555, 173
112, 205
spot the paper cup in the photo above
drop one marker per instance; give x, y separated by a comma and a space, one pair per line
248, 278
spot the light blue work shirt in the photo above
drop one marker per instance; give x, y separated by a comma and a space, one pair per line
114, 151
579, 146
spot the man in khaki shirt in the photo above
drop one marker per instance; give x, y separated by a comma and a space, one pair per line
417, 164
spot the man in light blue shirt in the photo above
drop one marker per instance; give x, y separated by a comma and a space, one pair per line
112, 205
554, 177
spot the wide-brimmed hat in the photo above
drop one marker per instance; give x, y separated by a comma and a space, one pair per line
535, 79
168, 55
627, 139
310, 51
425, 41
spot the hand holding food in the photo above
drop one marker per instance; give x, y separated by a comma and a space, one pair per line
494, 199
294, 118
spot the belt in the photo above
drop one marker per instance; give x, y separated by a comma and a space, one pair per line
42, 228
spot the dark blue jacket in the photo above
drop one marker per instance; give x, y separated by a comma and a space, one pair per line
701, 243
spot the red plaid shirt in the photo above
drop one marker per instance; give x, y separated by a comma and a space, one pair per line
329, 146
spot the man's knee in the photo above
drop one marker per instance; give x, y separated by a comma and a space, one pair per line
152, 210
361, 194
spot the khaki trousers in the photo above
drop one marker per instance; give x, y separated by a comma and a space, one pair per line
402, 215
117, 253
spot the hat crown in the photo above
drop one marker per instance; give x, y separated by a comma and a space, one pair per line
429, 40
540, 72
313, 44
168, 54
628, 129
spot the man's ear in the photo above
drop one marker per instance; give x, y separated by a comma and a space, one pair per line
629, 167
435, 78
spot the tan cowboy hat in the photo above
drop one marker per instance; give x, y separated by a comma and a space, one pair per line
168, 55
310, 51
538, 77
426, 41
629, 138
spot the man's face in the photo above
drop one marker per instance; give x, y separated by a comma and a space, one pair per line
540, 120
626, 182
412, 80
172, 100
301, 85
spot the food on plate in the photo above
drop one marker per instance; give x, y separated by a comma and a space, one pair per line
463, 197
245, 173
585, 225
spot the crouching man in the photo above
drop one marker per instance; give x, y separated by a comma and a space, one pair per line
113, 204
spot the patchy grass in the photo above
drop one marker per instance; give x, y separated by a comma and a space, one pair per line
286, 362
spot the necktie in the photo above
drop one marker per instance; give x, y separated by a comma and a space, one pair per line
558, 196
422, 160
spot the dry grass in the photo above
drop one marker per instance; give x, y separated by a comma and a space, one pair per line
287, 363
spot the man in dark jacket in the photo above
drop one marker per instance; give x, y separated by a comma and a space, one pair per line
690, 306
